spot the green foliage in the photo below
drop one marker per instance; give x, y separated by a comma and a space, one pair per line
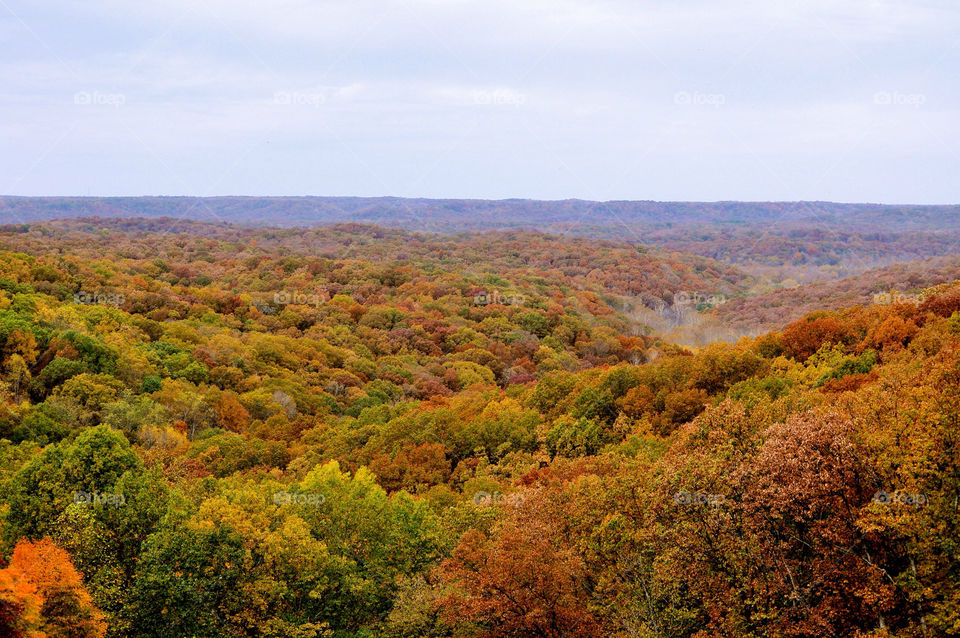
55, 373
580, 437
151, 383
47, 422
187, 583
99, 357
43, 489
850, 365
227, 452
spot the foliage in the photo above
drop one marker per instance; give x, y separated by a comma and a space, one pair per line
402, 456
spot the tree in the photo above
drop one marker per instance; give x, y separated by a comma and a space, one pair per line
375, 540
523, 578
19, 607
18, 375
188, 582
107, 542
233, 416
804, 337
47, 593
23, 344
42, 489
803, 494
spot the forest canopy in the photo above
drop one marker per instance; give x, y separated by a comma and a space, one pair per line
356, 432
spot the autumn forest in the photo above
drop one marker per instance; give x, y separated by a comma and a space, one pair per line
353, 431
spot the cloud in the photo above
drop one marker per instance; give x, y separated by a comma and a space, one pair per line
509, 98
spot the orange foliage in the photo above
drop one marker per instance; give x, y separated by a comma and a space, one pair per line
524, 580
849, 383
233, 416
42, 595
413, 466
802, 338
894, 332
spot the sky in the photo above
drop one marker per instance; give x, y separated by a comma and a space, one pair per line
847, 100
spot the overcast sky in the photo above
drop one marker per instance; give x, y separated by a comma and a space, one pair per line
846, 100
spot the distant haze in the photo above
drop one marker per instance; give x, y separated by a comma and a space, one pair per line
611, 219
